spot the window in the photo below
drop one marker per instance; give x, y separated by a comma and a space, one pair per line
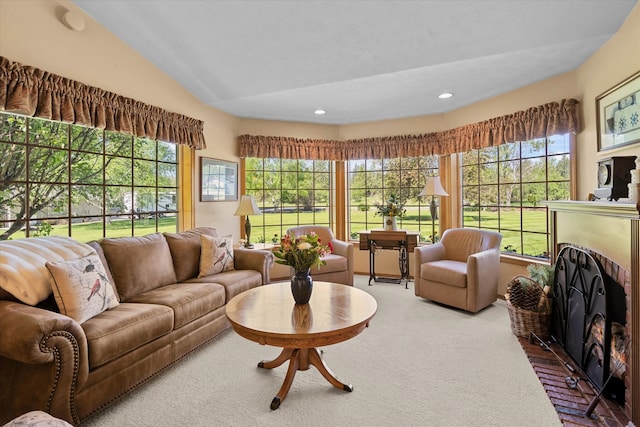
63, 179
502, 188
289, 193
371, 182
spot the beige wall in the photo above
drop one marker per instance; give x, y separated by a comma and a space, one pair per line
31, 33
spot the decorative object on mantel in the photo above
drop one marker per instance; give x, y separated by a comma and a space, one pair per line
634, 186
301, 253
247, 207
394, 208
433, 188
613, 177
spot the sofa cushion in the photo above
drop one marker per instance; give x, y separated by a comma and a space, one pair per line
81, 287
185, 251
188, 301
139, 264
234, 281
23, 272
216, 255
334, 264
453, 273
115, 332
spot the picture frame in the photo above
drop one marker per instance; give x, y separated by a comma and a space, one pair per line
218, 180
618, 114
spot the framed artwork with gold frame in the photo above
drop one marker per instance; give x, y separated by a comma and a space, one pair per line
618, 114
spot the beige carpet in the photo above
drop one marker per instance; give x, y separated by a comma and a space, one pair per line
418, 364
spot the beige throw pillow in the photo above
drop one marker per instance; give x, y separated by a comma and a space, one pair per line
216, 254
81, 287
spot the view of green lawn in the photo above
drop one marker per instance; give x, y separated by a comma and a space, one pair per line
88, 231
271, 225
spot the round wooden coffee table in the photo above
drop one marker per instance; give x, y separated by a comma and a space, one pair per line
269, 316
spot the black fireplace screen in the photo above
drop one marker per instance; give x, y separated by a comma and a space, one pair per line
588, 318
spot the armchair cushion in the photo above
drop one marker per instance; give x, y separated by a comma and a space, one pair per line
449, 272
333, 263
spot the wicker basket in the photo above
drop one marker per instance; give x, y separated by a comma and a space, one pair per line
525, 321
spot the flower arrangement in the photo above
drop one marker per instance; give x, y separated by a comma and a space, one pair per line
393, 207
302, 252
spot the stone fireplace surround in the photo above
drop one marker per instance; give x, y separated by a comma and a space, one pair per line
611, 232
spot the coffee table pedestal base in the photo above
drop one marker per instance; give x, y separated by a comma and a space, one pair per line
300, 359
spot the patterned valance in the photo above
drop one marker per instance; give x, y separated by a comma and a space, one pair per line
536, 122
33, 92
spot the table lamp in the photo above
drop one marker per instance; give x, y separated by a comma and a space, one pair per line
433, 188
247, 207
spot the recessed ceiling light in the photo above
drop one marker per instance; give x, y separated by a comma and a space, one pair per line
445, 95
319, 112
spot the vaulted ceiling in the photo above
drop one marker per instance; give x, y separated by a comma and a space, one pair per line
358, 60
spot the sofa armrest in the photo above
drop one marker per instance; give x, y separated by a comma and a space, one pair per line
254, 259
34, 336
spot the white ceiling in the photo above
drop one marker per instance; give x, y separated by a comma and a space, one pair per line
358, 60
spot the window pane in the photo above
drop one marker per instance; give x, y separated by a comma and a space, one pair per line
48, 200
48, 165
13, 162
118, 144
87, 168
48, 134
167, 152
144, 148
118, 171
167, 174
86, 201
12, 128
489, 173
86, 139
144, 173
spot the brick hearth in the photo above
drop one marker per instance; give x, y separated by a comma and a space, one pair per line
570, 403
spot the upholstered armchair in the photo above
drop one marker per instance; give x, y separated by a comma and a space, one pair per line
339, 264
461, 270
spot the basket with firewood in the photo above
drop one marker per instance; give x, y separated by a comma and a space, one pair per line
528, 302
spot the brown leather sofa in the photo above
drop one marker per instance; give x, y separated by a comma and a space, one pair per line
52, 363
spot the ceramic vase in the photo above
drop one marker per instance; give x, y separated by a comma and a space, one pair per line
301, 286
390, 223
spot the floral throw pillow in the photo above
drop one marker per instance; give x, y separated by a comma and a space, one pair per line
216, 254
81, 287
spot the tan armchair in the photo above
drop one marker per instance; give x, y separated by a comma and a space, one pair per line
461, 270
339, 267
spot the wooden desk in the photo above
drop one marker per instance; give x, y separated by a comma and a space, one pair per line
401, 240
268, 315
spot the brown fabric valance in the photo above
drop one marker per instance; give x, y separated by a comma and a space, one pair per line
33, 92
536, 122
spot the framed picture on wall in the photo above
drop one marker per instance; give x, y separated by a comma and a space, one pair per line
218, 180
618, 114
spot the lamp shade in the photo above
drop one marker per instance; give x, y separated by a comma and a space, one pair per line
433, 187
247, 207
